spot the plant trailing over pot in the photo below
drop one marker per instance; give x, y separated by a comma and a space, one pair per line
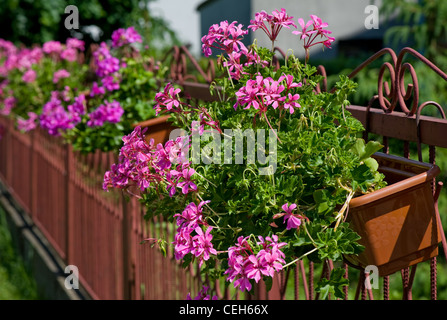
247, 213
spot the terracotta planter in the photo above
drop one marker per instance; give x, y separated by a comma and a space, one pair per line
158, 129
397, 224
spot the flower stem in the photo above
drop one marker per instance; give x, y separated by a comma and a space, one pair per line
299, 258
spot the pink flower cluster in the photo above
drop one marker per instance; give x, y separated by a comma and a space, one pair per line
227, 37
190, 237
8, 104
68, 52
271, 24
246, 264
122, 37
237, 60
261, 93
108, 112
224, 36
78, 108
27, 124
202, 295
106, 63
22, 59
313, 32
7, 48
29, 76
54, 118
145, 165
168, 99
60, 74
107, 70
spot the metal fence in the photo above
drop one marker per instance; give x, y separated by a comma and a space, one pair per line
102, 233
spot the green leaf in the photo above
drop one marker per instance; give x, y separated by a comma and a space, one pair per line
366, 151
371, 148
334, 285
372, 163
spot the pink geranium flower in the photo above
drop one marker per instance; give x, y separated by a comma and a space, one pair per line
202, 246
123, 37
52, 46
69, 54
75, 44
60, 74
313, 32
27, 124
244, 264
272, 24
29, 76
224, 36
293, 220
168, 99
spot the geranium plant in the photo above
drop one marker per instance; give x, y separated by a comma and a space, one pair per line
121, 95
262, 177
39, 81
92, 105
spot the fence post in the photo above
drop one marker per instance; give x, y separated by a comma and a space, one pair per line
68, 212
126, 251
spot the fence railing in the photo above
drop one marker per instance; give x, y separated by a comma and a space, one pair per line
102, 233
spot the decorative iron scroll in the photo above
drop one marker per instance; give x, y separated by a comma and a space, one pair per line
393, 93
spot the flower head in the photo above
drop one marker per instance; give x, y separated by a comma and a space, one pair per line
27, 124
52, 46
202, 246
29, 76
105, 62
251, 261
75, 44
224, 36
8, 104
122, 37
293, 220
60, 74
313, 32
54, 118
168, 99
271, 24
108, 112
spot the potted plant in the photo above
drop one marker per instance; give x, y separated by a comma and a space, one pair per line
126, 80
38, 81
262, 177
397, 224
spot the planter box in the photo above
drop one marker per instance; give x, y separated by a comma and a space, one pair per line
158, 129
397, 224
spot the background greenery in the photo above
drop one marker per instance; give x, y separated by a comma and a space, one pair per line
16, 282
31, 22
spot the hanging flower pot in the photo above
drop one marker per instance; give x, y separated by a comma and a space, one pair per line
397, 224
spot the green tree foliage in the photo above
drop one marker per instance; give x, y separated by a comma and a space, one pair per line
31, 22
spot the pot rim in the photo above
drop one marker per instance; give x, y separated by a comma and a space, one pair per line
152, 122
430, 172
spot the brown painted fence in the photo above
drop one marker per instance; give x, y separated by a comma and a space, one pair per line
101, 233
98, 232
